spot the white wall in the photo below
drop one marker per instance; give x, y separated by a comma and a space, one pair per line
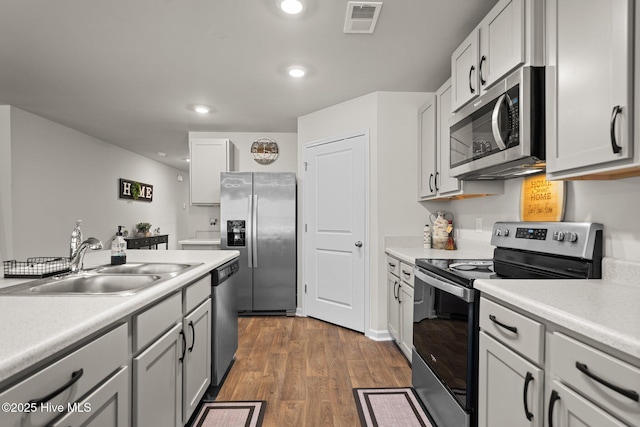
59, 175
198, 216
391, 119
613, 203
6, 232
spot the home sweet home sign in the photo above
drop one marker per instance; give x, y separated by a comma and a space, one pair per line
135, 190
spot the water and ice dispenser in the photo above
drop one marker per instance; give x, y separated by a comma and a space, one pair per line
236, 234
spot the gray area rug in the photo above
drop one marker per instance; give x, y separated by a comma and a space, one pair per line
231, 414
389, 407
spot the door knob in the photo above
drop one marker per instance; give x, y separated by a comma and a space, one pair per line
358, 244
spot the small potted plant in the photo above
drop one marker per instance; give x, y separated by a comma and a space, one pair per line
143, 228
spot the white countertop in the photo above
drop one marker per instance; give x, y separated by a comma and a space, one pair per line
598, 309
466, 250
33, 328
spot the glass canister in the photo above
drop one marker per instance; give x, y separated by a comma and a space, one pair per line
439, 232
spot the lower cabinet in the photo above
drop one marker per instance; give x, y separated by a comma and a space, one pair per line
157, 381
406, 319
197, 358
107, 406
400, 304
393, 307
510, 388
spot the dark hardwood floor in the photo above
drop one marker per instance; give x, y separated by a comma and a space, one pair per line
305, 369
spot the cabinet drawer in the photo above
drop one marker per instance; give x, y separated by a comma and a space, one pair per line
512, 329
578, 365
88, 365
150, 324
196, 293
393, 266
406, 273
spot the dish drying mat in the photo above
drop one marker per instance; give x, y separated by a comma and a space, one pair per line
36, 267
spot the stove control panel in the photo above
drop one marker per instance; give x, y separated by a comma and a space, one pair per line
562, 238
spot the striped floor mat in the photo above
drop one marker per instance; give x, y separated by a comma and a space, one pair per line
231, 414
388, 407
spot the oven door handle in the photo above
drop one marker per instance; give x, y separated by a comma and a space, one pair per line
461, 292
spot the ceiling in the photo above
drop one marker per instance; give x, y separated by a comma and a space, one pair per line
129, 72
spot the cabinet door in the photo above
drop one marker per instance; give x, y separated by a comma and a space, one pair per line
506, 381
568, 409
208, 157
107, 406
588, 83
197, 360
406, 319
445, 182
427, 150
393, 307
157, 382
464, 71
502, 41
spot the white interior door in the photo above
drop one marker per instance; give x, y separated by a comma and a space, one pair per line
335, 222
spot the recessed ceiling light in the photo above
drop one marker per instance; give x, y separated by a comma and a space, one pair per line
186, 159
292, 7
162, 154
201, 109
297, 72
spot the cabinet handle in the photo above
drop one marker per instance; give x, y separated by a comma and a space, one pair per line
552, 402
502, 325
527, 380
471, 89
614, 115
193, 335
631, 394
75, 376
184, 346
435, 181
482, 80
399, 286
392, 265
430, 186
406, 274
395, 295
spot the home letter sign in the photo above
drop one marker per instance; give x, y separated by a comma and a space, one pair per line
135, 190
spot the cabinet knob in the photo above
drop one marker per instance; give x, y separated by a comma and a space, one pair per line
358, 244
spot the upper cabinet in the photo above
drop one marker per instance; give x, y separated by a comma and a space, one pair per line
209, 157
589, 89
509, 36
434, 156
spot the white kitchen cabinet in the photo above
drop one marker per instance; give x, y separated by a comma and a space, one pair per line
107, 406
208, 157
67, 380
157, 381
589, 89
510, 369
393, 308
434, 156
607, 382
510, 390
464, 71
400, 304
197, 359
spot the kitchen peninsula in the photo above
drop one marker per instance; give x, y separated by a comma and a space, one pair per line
94, 332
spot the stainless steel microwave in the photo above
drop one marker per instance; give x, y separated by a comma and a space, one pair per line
500, 135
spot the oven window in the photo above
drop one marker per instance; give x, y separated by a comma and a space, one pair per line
473, 137
441, 337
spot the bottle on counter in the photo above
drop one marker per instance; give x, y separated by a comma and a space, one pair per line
450, 243
118, 249
76, 238
426, 236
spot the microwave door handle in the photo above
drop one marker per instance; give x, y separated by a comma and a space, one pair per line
495, 126
461, 292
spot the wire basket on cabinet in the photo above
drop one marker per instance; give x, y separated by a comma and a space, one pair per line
36, 267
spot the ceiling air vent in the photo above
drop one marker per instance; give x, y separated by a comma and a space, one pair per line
361, 17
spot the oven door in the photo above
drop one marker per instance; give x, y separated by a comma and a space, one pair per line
445, 337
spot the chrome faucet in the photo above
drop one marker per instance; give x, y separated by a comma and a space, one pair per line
77, 258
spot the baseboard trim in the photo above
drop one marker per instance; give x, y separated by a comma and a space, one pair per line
376, 335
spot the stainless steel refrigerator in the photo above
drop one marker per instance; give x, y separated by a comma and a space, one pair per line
258, 218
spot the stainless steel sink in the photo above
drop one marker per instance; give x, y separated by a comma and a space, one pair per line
101, 284
146, 268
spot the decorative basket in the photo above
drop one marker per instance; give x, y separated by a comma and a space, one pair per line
36, 267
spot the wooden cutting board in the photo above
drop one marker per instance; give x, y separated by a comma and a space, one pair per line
542, 200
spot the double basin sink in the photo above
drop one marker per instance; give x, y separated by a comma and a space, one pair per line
125, 279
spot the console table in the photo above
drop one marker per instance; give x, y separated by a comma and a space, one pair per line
144, 242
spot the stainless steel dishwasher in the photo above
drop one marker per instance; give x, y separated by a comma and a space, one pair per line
224, 342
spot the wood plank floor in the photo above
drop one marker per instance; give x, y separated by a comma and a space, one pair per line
305, 369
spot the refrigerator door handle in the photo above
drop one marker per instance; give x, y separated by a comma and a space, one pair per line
254, 232
250, 234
